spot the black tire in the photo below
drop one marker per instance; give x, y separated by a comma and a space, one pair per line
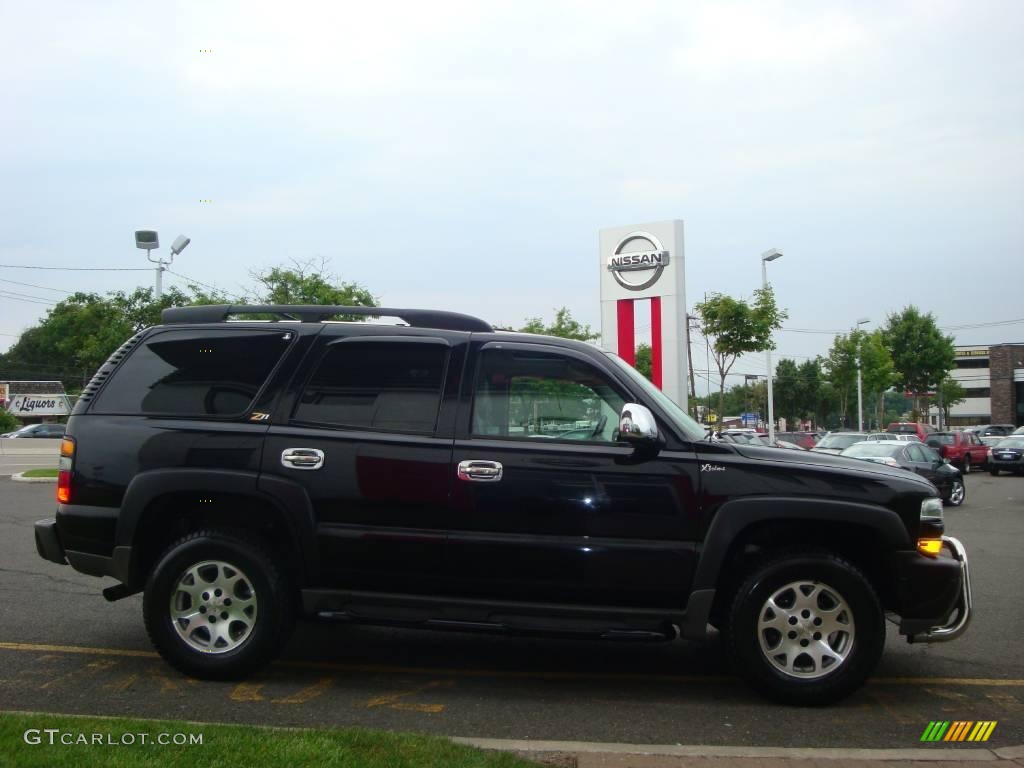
966, 468
994, 472
863, 646
272, 601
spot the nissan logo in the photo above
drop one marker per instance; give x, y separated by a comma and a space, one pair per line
638, 252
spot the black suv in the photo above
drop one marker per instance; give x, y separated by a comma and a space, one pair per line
439, 474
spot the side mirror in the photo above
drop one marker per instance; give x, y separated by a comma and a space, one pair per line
637, 426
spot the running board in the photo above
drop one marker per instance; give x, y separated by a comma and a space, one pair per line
465, 615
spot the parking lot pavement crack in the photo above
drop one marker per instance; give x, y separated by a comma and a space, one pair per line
50, 577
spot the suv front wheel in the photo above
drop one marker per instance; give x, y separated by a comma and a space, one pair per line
806, 628
216, 606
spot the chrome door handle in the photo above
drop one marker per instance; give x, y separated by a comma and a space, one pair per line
302, 458
480, 471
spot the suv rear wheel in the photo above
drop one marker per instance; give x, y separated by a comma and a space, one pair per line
806, 628
216, 606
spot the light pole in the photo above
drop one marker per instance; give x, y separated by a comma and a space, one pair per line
767, 256
148, 240
860, 394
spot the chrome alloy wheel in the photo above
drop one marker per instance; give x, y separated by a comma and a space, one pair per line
213, 607
957, 494
806, 629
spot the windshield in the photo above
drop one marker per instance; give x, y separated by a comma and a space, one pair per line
680, 419
1011, 442
840, 441
944, 439
871, 450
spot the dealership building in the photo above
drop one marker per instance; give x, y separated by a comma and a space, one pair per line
993, 380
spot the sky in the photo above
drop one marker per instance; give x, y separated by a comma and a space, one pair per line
464, 155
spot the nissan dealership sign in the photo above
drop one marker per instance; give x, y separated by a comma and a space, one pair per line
638, 261
642, 272
39, 405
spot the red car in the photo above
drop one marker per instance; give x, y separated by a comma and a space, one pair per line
963, 449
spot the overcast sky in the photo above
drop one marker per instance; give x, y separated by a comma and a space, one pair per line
463, 155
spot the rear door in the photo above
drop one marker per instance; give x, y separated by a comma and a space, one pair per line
367, 432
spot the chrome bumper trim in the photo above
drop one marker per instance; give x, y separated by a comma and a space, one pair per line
964, 604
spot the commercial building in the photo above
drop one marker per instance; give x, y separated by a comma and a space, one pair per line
993, 379
34, 401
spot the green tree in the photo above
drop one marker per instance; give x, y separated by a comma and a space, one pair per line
7, 421
877, 374
786, 387
643, 359
306, 282
811, 381
950, 393
565, 326
735, 327
921, 354
841, 368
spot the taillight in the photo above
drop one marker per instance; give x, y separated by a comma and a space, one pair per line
67, 460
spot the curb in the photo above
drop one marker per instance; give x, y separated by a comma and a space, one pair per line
790, 753
20, 478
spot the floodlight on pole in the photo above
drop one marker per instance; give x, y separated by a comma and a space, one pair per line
767, 256
860, 389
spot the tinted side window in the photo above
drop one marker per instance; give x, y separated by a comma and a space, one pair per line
388, 385
542, 395
182, 373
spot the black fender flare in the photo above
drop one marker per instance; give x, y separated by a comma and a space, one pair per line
289, 498
734, 517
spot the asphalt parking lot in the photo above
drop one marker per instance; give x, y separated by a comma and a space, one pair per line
63, 648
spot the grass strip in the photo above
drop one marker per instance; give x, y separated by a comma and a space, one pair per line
84, 742
40, 473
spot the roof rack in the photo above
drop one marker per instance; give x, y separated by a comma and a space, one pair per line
317, 313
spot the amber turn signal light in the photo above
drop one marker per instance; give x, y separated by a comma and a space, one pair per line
67, 448
930, 547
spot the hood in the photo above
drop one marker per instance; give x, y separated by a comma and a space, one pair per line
847, 464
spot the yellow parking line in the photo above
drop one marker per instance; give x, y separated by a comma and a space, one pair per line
79, 649
982, 682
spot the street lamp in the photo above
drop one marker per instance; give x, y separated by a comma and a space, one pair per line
149, 241
767, 256
860, 392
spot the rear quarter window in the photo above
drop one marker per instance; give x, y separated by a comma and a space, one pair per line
185, 373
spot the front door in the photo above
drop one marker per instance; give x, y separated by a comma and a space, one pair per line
546, 505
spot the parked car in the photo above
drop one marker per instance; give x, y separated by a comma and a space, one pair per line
962, 449
1007, 455
911, 428
991, 434
916, 458
837, 442
240, 474
1018, 431
805, 440
52, 431
905, 437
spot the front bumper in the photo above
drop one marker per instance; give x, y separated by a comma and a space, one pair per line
956, 620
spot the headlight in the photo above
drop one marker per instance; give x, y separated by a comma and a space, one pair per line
931, 508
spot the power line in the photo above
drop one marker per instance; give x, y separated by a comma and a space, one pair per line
25, 295
205, 285
77, 269
33, 285
4, 295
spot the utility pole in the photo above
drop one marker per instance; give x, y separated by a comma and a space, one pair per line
689, 359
